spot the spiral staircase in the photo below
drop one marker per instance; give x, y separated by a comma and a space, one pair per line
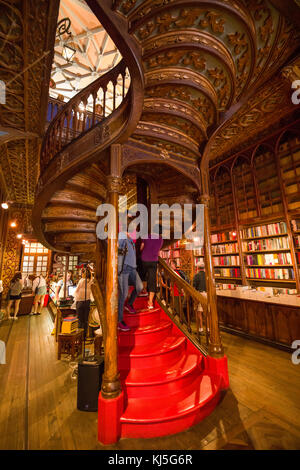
193, 66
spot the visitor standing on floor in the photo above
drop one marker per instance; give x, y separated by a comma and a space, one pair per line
82, 296
14, 296
199, 283
127, 276
150, 248
60, 286
39, 288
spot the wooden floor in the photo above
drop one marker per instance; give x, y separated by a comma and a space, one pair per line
38, 399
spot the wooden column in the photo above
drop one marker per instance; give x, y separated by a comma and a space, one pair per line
111, 386
215, 347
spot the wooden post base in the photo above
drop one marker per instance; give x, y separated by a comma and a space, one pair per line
220, 367
109, 414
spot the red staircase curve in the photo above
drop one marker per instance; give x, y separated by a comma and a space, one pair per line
168, 384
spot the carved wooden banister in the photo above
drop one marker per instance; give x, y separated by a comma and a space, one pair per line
185, 314
74, 118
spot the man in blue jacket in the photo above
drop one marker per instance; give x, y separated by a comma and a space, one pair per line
128, 276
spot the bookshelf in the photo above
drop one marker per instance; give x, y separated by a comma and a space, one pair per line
183, 258
226, 257
289, 161
262, 264
295, 225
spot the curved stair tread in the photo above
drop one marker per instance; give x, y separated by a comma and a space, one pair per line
144, 377
182, 403
154, 349
144, 310
147, 329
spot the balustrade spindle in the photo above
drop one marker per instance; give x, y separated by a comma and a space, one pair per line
114, 96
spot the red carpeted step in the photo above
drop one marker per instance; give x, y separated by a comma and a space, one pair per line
161, 354
145, 335
173, 413
150, 383
142, 317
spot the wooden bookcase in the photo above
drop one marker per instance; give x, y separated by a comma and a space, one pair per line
226, 257
249, 191
267, 256
183, 258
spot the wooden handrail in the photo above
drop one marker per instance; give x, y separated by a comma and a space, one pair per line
71, 122
185, 313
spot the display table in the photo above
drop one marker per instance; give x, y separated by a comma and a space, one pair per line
269, 319
26, 304
70, 343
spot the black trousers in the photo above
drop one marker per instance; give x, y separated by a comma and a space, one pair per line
149, 274
83, 311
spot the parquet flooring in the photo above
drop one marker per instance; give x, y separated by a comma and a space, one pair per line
38, 399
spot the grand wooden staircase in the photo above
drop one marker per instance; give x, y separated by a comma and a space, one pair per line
189, 65
167, 383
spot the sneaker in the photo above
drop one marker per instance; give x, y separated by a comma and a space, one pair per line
123, 327
129, 308
150, 306
15, 318
144, 293
31, 313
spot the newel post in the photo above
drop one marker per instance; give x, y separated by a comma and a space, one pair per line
111, 386
111, 400
215, 347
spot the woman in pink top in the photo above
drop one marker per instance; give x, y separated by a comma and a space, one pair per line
150, 249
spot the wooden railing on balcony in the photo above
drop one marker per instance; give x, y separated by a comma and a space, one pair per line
184, 312
75, 119
55, 105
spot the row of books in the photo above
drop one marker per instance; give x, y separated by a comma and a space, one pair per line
284, 291
226, 286
269, 259
295, 225
279, 243
223, 237
199, 252
165, 254
269, 273
226, 272
264, 230
226, 260
297, 241
226, 248
298, 257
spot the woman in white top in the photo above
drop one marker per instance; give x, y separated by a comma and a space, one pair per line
82, 296
39, 288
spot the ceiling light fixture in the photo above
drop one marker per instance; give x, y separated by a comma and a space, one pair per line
63, 27
19, 235
4, 205
68, 52
13, 224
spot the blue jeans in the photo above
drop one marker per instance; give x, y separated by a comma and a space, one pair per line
128, 277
